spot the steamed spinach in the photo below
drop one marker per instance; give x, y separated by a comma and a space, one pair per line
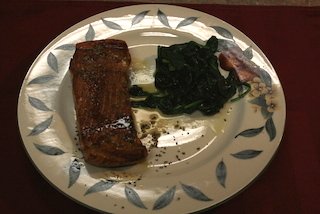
187, 79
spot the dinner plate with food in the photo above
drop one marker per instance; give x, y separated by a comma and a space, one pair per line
151, 108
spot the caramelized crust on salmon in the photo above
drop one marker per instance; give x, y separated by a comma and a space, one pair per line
100, 81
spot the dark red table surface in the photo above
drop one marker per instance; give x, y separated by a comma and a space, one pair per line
290, 38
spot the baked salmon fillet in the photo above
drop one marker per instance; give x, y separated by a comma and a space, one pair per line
100, 81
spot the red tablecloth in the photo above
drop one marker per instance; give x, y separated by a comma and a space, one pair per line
289, 36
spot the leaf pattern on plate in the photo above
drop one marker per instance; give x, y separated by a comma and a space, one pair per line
162, 17
139, 17
224, 44
271, 129
90, 33
74, 172
221, 173
187, 21
265, 76
248, 52
265, 113
195, 193
260, 101
133, 197
250, 132
53, 62
223, 32
49, 150
38, 104
67, 47
41, 127
111, 25
41, 79
100, 186
247, 154
165, 199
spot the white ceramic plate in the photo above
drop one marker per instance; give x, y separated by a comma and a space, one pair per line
197, 164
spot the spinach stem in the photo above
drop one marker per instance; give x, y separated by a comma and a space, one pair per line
242, 95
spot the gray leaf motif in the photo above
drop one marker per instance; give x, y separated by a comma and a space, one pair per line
260, 101
139, 17
38, 104
100, 186
133, 197
247, 154
187, 21
112, 25
52, 62
195, 193
74, 172
248, 52
223, 32
49, 150
250, 132
265, 113
271, 129
224, 44
90, 33
221, 173
265, 76
41, 79
165, 199
67, 47
41, 127
163, 18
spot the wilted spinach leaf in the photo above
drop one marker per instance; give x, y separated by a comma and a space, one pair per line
187, 78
